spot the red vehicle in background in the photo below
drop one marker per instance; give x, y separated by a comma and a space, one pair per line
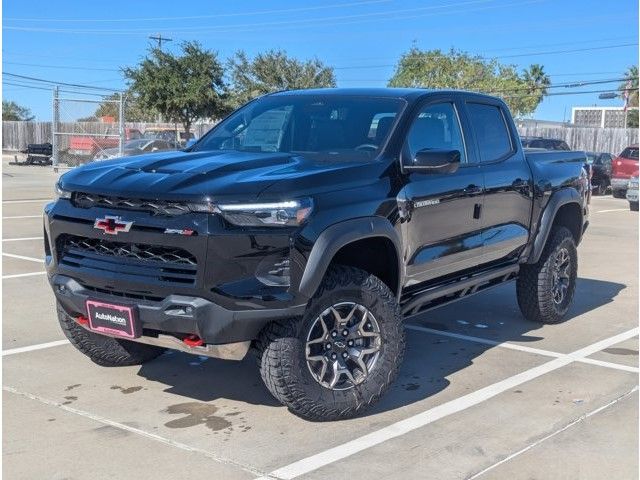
623, 167
83, 148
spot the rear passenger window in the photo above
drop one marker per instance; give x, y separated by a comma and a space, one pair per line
491, 131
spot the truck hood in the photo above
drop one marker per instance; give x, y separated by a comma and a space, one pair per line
178, 175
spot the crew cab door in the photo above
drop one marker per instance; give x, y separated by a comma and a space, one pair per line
508, 180
440, 230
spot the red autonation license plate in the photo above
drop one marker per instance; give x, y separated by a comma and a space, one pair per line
118, 320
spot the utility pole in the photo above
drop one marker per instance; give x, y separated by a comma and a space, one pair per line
159, 38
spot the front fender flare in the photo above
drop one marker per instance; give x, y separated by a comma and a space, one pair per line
558, 199
333, 238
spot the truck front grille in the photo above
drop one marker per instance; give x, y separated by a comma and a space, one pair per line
154, 207
148, 262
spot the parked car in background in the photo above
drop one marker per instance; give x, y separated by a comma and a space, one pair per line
84, 148
137, 147
632, 193
544, 143
167, 133
600, 171
624, 167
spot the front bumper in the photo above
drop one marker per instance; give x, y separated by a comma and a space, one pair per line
215, 295
632, 194
177, 314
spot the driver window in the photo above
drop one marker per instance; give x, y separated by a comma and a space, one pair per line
436, 127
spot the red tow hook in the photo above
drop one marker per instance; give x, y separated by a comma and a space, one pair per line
193, 341
82, 320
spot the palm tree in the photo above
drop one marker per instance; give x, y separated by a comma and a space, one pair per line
630, 81
536, 79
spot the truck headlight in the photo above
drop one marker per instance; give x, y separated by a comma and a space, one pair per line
277, 214
61, 192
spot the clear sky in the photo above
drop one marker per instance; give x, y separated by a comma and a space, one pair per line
86, 42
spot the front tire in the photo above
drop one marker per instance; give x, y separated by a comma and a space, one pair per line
342, 355
545, 290
618, 193
103, 350
633, 206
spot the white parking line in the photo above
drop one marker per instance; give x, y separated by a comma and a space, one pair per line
521, 348
422, 419
22, 257
612, 210
137, 431
37, 200
31, 348
20, 275
556, 432
21, 239
16, 217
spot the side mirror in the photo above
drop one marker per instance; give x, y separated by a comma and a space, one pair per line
435, 160
190, 142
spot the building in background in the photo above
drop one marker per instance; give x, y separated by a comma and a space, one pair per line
603, 117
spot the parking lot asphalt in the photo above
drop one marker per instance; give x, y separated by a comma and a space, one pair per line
482, 393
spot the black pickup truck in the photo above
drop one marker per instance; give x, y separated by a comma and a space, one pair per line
305, 227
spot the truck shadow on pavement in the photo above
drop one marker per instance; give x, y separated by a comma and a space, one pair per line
430, 359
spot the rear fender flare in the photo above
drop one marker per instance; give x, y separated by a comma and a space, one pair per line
558, 199
333, 238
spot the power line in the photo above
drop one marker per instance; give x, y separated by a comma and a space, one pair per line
196, 17
63, 67
384, 16
53, 82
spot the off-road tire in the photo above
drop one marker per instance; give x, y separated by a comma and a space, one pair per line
535, 282
280, 349
103, 350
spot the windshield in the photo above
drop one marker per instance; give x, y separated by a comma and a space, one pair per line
630, 152
334, 125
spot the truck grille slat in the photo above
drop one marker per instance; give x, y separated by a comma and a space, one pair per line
162, 263
155, 207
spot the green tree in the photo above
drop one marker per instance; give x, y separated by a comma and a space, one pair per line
523, 92
13, 111
183, 88
272, 71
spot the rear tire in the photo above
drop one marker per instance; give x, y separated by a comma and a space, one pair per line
103, 350
296, 355
619, 193
545, 290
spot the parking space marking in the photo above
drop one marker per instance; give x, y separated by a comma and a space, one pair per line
332, 455
22, 257
20, 275
17, 217
36, 200
143, 433
612, 210
31, 348
521, 348
21, 239
554, 433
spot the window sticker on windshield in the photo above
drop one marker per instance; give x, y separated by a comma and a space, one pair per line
265, 131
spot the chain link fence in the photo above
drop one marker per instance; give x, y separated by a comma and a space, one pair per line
76, 142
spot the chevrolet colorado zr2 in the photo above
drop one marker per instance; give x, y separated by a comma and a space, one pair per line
304, 227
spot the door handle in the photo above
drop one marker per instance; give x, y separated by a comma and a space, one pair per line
472, 190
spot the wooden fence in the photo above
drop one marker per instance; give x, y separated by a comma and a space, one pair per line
16, 135
610, 140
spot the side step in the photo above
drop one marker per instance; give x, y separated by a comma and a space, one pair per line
450, 292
